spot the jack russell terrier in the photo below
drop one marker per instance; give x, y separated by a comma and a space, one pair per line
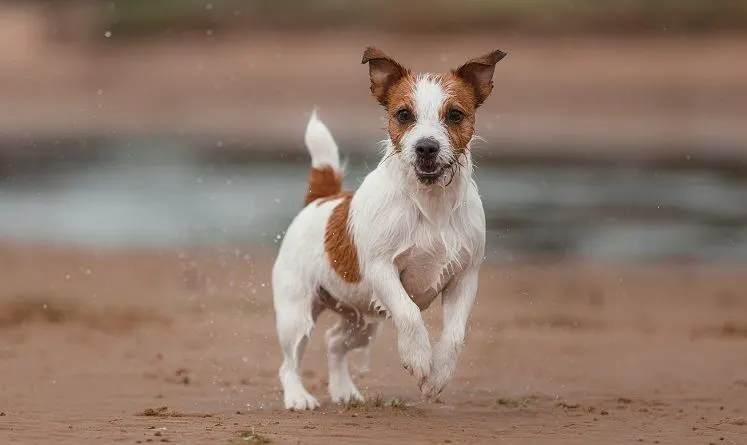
414, 230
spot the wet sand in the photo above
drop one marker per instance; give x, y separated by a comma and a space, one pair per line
139, 347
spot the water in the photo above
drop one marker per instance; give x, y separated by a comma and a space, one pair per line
167, 196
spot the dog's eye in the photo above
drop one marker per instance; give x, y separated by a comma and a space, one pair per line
404, 116
455, 116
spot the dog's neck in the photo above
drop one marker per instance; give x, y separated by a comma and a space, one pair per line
437, 201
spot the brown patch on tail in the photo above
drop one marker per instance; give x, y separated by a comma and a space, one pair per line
338, 242
323, 182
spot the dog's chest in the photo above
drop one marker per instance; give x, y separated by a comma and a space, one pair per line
432, 260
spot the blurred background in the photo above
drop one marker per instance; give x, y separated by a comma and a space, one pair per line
151, 157
616, 130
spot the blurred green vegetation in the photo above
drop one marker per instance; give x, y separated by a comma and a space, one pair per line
428, 16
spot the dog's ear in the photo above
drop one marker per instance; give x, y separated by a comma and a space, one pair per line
384, 72
478, 73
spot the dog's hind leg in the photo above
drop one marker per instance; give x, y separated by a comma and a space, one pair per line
352, 331
295, 321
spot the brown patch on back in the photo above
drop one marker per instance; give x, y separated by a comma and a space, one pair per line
338, 242
347, 194
461, 96
323, 182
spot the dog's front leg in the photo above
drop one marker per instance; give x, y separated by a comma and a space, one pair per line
458, 299
412, 336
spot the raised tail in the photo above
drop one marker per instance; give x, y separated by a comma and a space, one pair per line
325, 176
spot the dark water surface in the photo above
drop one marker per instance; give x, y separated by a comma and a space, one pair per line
170, 196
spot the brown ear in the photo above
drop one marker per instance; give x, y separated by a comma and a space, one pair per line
479, 73
384, 72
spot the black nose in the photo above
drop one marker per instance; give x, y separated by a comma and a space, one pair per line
426, 147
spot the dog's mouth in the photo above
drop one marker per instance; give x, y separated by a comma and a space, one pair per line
429, 174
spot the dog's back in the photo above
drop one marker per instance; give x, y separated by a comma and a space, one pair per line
307, 257
302, 252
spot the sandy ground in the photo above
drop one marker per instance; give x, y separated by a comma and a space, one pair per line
138, 347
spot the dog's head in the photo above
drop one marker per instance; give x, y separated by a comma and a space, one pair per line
431, 117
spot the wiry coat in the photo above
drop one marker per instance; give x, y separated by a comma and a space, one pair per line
414, 230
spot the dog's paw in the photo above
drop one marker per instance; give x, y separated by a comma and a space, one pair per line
345, 393
415, 353
433, 385
351, 396
300, 401
444, 363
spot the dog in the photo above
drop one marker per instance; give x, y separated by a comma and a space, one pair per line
413, 230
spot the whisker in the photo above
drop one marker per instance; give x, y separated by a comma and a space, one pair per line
383, 145
454, 167
452, 171
476, 138
389, 156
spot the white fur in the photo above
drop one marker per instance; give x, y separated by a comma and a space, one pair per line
321, 144
414, 243
428, 97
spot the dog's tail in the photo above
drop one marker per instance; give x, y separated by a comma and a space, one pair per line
325, 176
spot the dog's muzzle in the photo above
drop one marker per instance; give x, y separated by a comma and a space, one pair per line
428, 168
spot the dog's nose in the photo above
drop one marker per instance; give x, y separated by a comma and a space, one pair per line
426, 147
